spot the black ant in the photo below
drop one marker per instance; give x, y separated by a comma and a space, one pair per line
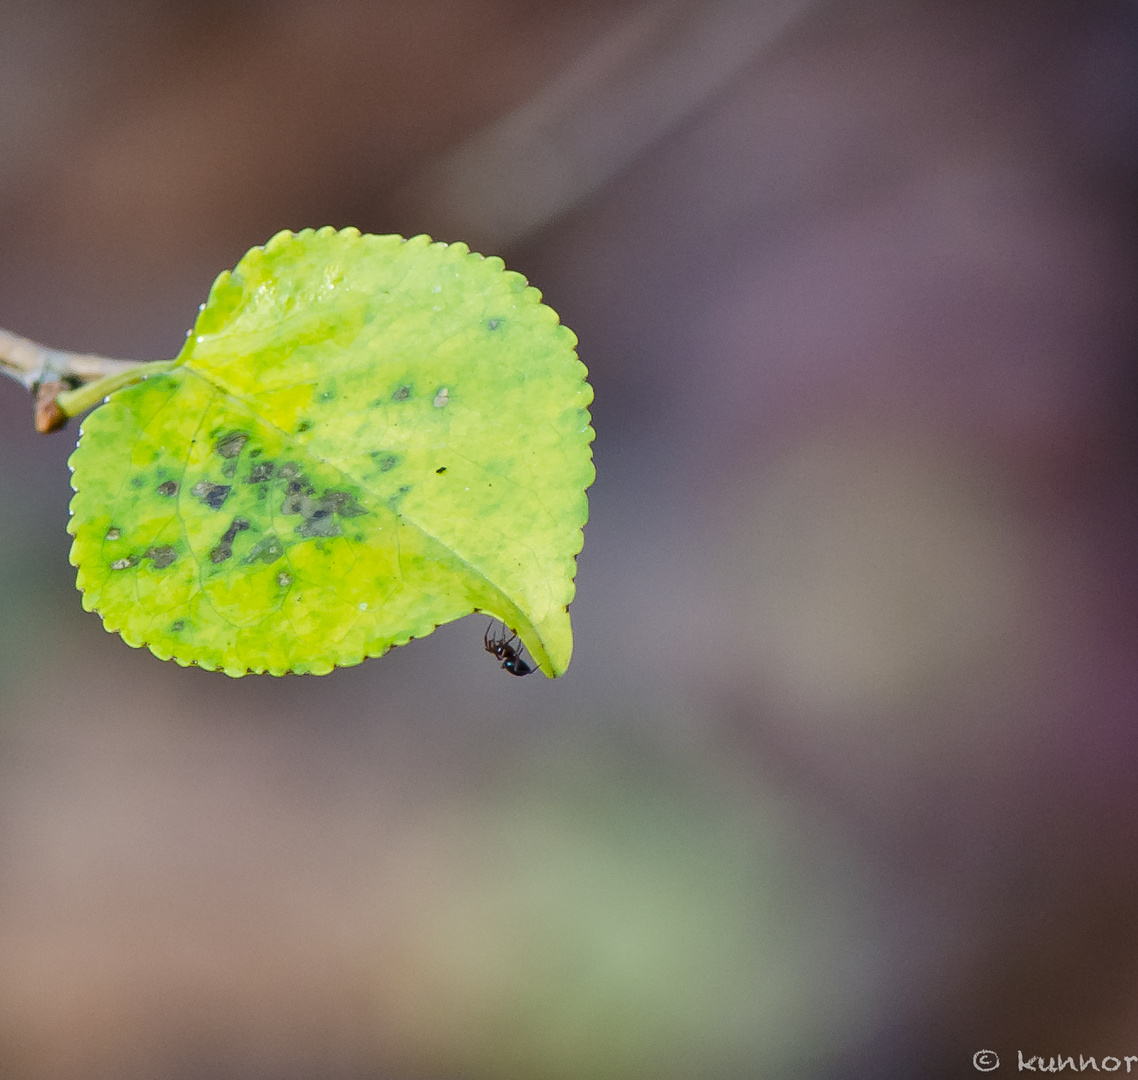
502, 648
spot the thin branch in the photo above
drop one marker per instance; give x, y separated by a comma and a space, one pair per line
48, 373
32, 364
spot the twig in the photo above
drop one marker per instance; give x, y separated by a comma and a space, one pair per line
50, 373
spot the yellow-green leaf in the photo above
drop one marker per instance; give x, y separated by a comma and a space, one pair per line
364, 437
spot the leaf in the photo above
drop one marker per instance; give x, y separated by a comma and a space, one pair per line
362, 438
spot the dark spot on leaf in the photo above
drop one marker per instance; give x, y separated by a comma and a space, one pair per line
229, 469
320, 514
137, 482
261, 472
493, 324
386, 462
224, 549
340, 502
229, 446
124, 564
284, 580
402, 393
267, 550
168, 488
113, 533
303, 426
213, 495
256, 452
441, 470
322, 523
290, 470
161, 557
297, 499
238, 525
178, 625
326, 395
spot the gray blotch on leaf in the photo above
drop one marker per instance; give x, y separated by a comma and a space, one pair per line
229, 446
320, 514
161, 557
213, 495
321, 523
266, 550
224, 549
340, 502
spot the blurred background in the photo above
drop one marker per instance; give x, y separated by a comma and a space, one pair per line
843, 778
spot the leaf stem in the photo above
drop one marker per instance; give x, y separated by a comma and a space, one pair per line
73, 402
53, 375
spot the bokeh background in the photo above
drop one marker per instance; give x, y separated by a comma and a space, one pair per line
843, 779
